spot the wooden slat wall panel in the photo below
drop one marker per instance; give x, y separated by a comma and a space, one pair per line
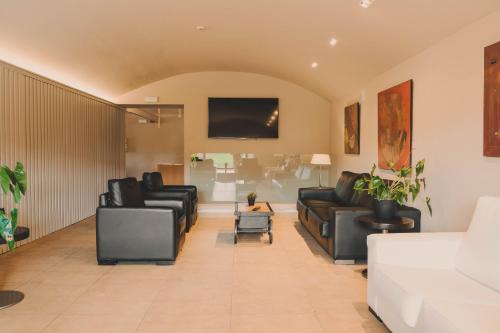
70, 143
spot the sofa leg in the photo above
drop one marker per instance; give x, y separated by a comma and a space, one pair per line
374, 314
106, 262
344, 262
165, 262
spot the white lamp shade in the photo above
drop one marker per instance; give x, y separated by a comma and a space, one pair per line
321, 159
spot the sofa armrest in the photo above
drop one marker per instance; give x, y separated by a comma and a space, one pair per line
417, 250
141, 216
349, 235
316, 193
136, 233
178, 200
190, 189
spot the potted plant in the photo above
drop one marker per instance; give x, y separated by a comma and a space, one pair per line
14, 182
405, 184
251, 198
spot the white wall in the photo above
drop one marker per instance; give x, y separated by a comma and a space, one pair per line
304, 123
447, 123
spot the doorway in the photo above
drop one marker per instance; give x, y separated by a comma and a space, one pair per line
155, 141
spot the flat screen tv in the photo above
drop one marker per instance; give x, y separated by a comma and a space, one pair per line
243, 118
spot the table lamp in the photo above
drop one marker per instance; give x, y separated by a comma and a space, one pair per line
320, 159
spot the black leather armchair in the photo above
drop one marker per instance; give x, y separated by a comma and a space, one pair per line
129, 228
329, 214
153, 189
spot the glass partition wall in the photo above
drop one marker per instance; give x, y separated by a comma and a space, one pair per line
229, 177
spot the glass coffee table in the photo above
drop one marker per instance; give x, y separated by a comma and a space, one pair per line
253, 219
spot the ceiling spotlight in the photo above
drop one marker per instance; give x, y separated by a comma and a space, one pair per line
275, 112
333, 42
273, 117
201, 28
366, 3
314, 64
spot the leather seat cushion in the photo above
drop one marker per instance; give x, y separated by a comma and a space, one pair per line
176, 205
320, 203
125, 193
407, 289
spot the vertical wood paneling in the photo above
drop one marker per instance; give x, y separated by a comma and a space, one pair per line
69, 142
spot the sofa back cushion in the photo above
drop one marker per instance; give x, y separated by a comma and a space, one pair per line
362, 199
125, 193
344, 187
152, 181
478, 253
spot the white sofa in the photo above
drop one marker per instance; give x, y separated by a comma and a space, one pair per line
439, 282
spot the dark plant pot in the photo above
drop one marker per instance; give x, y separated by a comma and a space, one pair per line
386, 209
251, 202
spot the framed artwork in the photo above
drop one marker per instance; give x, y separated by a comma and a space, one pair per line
491, 146
394, 126
351, 129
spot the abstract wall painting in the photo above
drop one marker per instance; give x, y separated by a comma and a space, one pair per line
395, 126
351, 129
491, 122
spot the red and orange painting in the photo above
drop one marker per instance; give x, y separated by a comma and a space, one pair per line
394, 126
351, 129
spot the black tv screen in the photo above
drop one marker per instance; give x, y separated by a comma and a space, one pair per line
243, 117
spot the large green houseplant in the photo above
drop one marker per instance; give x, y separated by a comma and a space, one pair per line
405, 185
13, 182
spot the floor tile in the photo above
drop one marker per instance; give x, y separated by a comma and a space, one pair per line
215, 285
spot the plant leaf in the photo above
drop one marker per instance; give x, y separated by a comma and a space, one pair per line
419, 168
360, 184
6, 231
428, 203
16, 193
4, 179
20, 176
13, 219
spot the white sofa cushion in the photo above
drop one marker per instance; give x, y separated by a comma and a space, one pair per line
407, 289
478, 254
443, 316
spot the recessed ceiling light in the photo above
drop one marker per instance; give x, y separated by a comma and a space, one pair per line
333, 42
366, 3
201, 28
314, 65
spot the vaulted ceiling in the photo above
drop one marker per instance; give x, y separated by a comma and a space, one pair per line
109, 47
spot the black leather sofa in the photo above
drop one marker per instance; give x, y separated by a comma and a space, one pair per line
129, 228
154, 189
329, 214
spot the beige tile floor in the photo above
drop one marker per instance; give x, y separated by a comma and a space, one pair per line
215, 286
